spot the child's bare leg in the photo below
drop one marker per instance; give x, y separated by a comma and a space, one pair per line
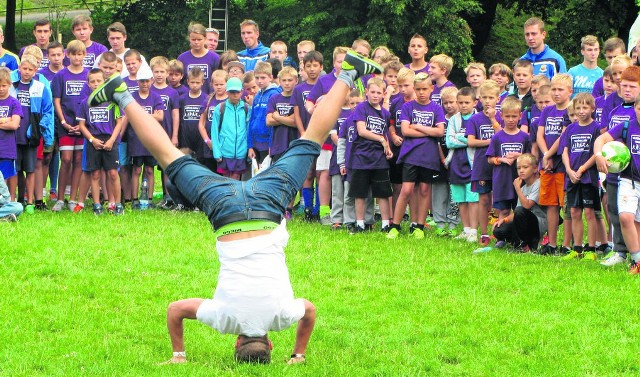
125, 181
86, 181
359, 209
12, 183
591, 226
135, 181
424, 202
483, 209
113, 180
384, 208
176, 313
405, 192
95, 186
473, 215
64, 175
76, 173
552, 222
148, 172
303, 332
576, 226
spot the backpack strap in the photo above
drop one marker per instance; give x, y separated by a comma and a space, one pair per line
222, 106
625, 130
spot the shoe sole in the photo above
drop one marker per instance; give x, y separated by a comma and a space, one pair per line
105, 92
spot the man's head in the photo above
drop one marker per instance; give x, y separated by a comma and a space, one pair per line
534, 34
278, 50
212, 38
55, 53
117, 35
42, 32
253, 349
590, 48
82, 27
613, 47
250, 32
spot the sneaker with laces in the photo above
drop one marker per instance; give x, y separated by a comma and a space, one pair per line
78, 208
572, 255
385, 229
485, 240
500, 244
609, 254
562, 251
472, 237
112, 207
613, 260
105, 92
326, 220
418, 234
356, 230
461, 236
357, 62
589, 255
58, 206
71, 205
634, 268
393, 233
545, 250
42, 207
97, 209
119, 211
10, 218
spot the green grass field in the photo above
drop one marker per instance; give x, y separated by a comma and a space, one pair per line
88, 296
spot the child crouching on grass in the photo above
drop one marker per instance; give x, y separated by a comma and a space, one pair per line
254, 294
9, 210
526, 225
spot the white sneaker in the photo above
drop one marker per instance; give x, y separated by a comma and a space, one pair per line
461, 236
613, 260
71, 205
473, 238
58, 206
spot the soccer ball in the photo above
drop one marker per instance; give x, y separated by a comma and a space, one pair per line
617, 156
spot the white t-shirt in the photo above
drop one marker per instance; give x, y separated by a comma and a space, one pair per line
254, 294
533, 193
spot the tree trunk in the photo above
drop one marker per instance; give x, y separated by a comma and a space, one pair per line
10, 27
481, 25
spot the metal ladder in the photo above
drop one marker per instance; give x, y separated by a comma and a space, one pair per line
219, 19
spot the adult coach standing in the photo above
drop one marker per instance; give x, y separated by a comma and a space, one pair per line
545, 60
255, 51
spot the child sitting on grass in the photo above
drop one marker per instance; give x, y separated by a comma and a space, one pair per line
254, 294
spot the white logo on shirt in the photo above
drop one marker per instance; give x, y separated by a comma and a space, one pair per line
635, 144
74, 87
375, 124
486, 131
507, 148
203, 67
191, 112
99, 115
424, 118
4, 111
553, 126
24, 98
581, 143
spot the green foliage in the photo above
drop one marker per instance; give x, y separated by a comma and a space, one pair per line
506, 40
24, 33
87, 295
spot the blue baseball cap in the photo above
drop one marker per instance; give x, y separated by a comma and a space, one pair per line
234, 85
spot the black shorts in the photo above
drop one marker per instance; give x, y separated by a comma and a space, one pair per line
26, 158
418, 174
261, 155
583, 196
376, 179
144, 160
101, 159
395, 172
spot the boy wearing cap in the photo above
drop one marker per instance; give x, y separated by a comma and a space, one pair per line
229, 132
254, 293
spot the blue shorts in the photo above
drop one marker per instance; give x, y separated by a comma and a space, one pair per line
461, 193
222, 198
125, 159
481, 187
8, 167
505, 204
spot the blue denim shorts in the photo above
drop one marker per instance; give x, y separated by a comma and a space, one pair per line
270, 191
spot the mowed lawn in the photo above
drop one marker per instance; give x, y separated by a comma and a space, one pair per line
87, 296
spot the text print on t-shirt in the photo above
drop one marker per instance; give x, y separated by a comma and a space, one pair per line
507, 148
580, 142
203, 67
73, 87
98, 115
375, 124
635, 144
424, 118
23, 98
553, 126
486, 131
4, 111
191, 112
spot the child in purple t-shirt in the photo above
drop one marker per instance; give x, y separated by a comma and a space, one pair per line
501, 73
198, 56
480, 129
505, 147
152, 104
176, 73
369, 153
101, 129
440, 67
10, 114
189, 139
422, 123
418, 49
581, 182
82, 28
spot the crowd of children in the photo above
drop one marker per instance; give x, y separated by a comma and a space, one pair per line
514, 155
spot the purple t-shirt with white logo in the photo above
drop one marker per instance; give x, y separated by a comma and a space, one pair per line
503, 175
578, 141
424, 70
368, 154
24, 98
8, 108
47, 73
633, 143
151, 104
99, 120
553, 121
421, 151
298, 98
182, 90
618, 116
71, 88
435, 95
460, 166
132, 85
282, 135
481, 128
207, 63
190, 110
348, 132
96, 49
170, 102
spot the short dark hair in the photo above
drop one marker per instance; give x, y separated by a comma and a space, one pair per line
313, 56
467, 91
253, 349
276, 66
54, 44
42, 22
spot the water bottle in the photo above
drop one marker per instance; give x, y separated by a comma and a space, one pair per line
483, 250
144, 194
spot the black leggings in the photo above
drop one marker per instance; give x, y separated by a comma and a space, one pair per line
524, 229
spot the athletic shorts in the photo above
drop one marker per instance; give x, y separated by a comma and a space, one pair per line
71, 143
482, 187
232, 165
26, 158
101, 159
8, 167
505, 204
629, 198
461, 193
144, 160
323, 160
551, 188
123, 154
583, 196
375, 179
418, 174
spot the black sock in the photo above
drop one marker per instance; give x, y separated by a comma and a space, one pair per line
602, 247
578, 249
590, 248
39, 202
420, 226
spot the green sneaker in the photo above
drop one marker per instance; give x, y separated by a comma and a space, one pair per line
609, 255
393, 234
362, 65
589, 255
442, 232
104, 93
418, 234
431, 222
571, 255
